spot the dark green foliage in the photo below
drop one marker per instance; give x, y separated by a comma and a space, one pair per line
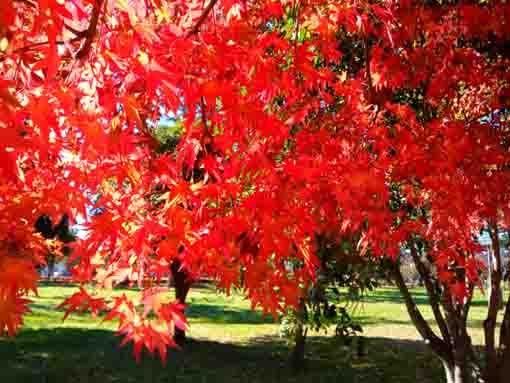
44, 225
61, 232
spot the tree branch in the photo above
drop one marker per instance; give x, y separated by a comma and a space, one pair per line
504, 335
467, 305
76, 32
438, 345
296, 30
203, 117
368, 70
27, 2
373, 97
433, 296
27, 48
90, 33
504, 338
451, 313
460, 340
489, 324
202, 18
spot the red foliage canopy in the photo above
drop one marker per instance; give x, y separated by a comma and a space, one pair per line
300, 117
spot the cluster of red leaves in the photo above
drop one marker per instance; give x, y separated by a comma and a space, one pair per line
290, 133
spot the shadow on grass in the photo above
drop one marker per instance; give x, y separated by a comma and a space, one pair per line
392, 295
68, 355
220, 314
57, 283
367, 320
216, 314
212, 313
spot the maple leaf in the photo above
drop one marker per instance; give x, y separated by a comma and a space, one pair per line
143, 333
123, 308
116, 277
460, 291
17, 275
12, 309
82, 301
173, 313
151, 299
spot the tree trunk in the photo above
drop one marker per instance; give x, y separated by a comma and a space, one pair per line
182, 285
455, 373
51, 266
297, 357
449, 371
464, 372
455, 351
504, 371
454, 348
490, 323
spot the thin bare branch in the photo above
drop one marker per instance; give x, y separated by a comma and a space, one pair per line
296, 31
368, 70
202, 18
91, 31
88, 34
76, 32
31, 4
29, 47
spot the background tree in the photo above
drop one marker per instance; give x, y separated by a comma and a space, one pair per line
60, 232
331, 301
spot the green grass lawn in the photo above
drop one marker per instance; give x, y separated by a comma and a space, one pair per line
230, 343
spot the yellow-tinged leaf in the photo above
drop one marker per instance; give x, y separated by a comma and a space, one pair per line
4, 44
131, 106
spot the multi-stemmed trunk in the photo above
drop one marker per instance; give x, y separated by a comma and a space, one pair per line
461, 362
462, 366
